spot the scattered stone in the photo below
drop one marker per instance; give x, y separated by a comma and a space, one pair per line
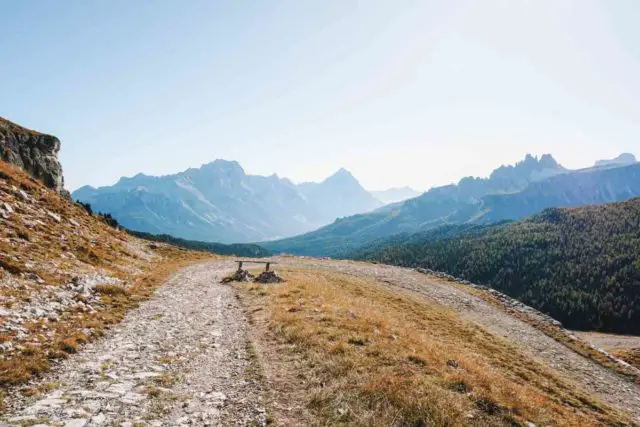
240, 275
54, 216
76, 422
268, 277
24, 195
98, 419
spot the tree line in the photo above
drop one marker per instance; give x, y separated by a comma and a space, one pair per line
581, 265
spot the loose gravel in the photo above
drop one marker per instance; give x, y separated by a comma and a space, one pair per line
181, 358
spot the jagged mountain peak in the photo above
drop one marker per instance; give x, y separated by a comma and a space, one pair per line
621, 160
222, 163
532, 162
342, 177
341, 173
221, 166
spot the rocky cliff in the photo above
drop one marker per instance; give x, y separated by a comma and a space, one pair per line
34, 152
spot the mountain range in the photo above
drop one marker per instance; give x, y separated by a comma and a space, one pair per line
509, 193
396, 194
220, 202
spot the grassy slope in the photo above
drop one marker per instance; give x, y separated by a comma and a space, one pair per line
376, 357
33, 243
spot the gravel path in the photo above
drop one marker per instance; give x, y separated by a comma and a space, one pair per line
592, 377
184, 358
181, 358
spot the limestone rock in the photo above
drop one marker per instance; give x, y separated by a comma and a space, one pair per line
32, 151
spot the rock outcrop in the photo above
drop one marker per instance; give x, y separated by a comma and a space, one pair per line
34, 152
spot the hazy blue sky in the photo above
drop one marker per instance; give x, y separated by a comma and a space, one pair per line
398, 92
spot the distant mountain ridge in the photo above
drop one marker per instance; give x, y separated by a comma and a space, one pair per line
510, 192
394, 195
220, 202
623, 159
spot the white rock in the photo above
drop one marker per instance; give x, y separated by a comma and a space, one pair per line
98, 419
217, 398
75, 422
132, 398
22, 419
53, 216
121, 388
144, 375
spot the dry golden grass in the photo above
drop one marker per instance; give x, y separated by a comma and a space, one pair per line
17, 128
629, 355
56, 251
376, 357
110, 290
34, 362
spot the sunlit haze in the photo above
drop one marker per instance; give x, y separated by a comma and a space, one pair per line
415, 93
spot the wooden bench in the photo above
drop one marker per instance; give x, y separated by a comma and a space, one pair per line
268, 263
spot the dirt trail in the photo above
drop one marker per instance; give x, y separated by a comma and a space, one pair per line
182, 358
179, 359
592, 377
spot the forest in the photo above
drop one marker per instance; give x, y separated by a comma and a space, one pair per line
237, 249
579, 265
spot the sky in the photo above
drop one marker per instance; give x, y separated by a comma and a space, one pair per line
417, 93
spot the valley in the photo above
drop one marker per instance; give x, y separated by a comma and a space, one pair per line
102, 325
320, 213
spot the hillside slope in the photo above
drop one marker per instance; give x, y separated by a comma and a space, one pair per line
352, 343
220, 202
581, 265
64, 275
